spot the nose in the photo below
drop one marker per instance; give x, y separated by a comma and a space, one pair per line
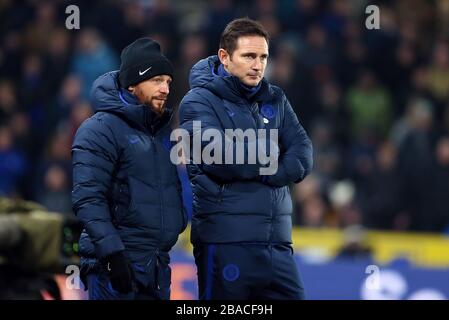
164, 88
257, 65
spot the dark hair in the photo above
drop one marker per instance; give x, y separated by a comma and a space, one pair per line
240, 28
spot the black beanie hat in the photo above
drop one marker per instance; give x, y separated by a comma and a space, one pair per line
142, 60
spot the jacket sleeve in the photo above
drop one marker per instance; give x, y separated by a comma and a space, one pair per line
296, 158
195, 110
94, 153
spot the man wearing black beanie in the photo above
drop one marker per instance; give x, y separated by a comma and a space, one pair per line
126, 191
146, 73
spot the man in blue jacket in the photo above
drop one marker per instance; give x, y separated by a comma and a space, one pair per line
241, 226
126, 191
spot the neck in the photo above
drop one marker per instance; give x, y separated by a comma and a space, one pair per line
157, 111
249, 92
222, 72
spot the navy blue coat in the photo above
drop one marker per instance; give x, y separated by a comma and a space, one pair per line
126, 191
232, 202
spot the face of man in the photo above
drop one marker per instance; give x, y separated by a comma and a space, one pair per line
153, 92
248, 61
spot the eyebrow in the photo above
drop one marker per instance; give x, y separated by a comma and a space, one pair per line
162, 78
253, 54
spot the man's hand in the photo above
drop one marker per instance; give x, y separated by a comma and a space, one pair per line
120, 272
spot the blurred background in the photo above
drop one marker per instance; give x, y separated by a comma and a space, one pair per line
374, 102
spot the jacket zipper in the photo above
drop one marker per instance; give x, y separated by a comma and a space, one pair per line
222, 189
158, 188
156, 254
272, 190
152, 137
156, 273
161, 212
256, 119
255, 114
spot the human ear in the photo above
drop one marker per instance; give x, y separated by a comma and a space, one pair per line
223, 55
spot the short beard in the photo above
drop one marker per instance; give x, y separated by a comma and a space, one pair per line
156, 110
146, 101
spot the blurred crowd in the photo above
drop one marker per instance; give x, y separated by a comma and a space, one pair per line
375, 102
